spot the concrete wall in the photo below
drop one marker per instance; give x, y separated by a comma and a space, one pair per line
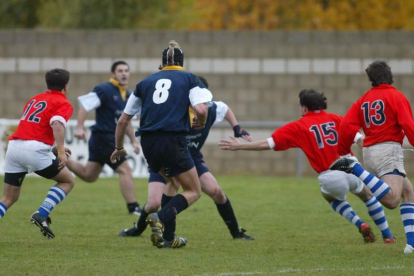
259, 74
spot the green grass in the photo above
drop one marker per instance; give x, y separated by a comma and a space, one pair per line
296, 232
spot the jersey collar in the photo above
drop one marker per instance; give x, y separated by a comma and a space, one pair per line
384, 86
57, 92
167, 68
314, 112
121, 88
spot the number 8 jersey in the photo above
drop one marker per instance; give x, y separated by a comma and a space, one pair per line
39, 113
316, 133
163, 99
383, 113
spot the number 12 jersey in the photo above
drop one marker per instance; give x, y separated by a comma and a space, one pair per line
38, 115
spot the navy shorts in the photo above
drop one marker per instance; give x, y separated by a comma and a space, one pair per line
101, 147
167, 151
199, 164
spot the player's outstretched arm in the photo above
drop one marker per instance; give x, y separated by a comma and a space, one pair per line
234, 144
119, 137
59, 135
238, 131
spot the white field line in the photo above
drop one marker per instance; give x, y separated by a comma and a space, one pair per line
304, 271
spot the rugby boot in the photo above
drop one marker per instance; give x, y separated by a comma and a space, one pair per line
344, 164
130, 232
157, 228
242, 236
367, 233
43, 224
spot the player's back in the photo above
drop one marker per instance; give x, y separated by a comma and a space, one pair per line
378, 114
165, 100
38, 113
316, 133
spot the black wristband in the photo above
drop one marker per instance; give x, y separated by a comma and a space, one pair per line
119, 149
236, 130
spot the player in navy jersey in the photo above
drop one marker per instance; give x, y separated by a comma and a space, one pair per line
108, 100
195, 140
163, 100
316, 133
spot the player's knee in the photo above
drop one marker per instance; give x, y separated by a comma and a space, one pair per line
152, 206
125, 170
218, 196
391, 203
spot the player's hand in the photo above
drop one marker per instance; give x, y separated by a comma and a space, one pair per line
80, 133
117, 154
63, 159
68, 152
232, 144
241, 133
137, 148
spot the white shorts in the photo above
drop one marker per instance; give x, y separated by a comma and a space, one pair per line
383, 158
27, 156
337, 184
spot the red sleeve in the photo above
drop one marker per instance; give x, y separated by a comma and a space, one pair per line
63, 109
405, 117
286, 137
350, 125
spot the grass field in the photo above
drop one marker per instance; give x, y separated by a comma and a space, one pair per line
296, 233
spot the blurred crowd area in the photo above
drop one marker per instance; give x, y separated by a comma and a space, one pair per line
209, 15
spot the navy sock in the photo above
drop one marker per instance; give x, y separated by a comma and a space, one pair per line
165, 200
227, 213
168, 214
142, 221
131, 206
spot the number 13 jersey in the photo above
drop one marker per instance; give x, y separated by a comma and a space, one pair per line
383, 113
316, 133
163, 99
38, 115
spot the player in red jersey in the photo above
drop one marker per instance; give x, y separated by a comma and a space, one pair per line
386, 117
30, 149
316, 133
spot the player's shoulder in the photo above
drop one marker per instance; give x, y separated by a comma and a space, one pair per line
102, 87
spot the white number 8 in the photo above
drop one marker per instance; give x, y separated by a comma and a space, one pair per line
161, 91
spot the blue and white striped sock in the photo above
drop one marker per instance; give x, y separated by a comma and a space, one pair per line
377, 214
378, 187
407, 216
3, 210
343, 208
53, 198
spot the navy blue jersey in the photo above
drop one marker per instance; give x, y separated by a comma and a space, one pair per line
165, 98
197, 138
111, 107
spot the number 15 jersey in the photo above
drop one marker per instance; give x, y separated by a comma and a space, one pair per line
38, 115
316, 133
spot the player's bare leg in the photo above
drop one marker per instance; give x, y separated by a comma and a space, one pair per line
88, 173
126, 184
11, 194
392, 199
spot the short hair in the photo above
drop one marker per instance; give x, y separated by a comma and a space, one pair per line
313, 99
203, 80
116, 63
56, 79
172, 55
379, 73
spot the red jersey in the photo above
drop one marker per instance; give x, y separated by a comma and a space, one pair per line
383, 113
316, 133
39, 113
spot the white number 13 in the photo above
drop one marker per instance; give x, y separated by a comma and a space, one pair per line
161, 91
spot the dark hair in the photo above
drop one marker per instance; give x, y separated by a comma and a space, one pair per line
379, 73
203, 80
116, 63
172, 55
56, 79
313, 99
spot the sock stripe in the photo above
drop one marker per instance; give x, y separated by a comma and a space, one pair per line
408, 222
363, 175
371, 201
406, 205
3, 209
56, 196
61, 193
381, 220
406, 211
54, 199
